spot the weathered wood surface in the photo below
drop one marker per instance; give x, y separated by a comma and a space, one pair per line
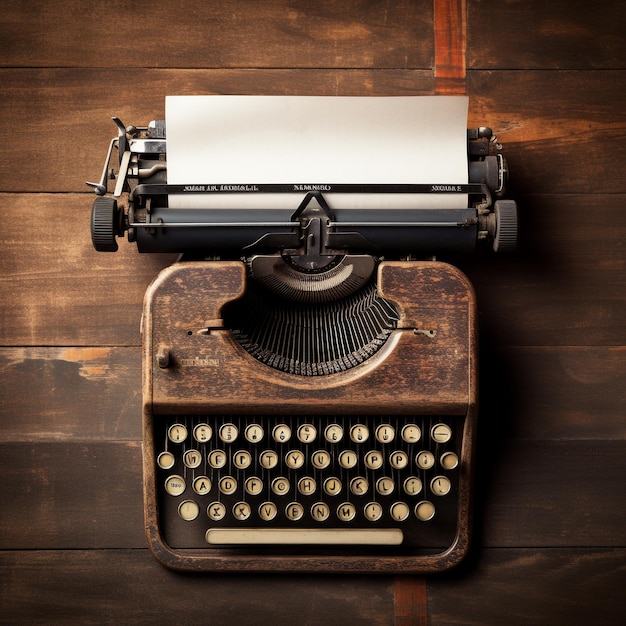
227, 33
552, 587
560, 34
548, 77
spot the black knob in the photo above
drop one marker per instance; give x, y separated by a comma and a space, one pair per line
105, 224
505, 239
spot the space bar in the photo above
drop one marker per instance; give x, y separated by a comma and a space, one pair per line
305, 536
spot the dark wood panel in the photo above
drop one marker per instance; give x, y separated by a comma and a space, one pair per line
130, 587
236, 33
529, 494
550, 493
94, 394
566, 285
60, 119
83, 394
548, 587
560, 34
76, 495
568, 392
56, 289
563, 131
551, 587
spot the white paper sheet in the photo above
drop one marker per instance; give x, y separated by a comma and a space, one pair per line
302, 140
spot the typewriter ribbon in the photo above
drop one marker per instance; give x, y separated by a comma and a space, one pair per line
309, 369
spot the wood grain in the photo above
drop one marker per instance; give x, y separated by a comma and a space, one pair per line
236, 33
560, 34
130, 587
450, 29
551, 587
548, 77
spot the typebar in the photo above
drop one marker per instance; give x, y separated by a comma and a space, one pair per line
308, 536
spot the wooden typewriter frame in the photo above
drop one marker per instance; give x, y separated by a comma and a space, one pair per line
439, 376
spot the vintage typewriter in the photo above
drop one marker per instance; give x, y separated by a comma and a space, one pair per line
310, 376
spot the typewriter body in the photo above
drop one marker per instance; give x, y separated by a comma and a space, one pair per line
309, 383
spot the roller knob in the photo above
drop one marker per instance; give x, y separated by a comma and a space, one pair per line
105, 224
505, 239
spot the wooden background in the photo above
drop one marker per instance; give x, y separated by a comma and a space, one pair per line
549, 77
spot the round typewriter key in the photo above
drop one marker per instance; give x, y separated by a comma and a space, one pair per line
373, 511
241, 511
411, 433
307, 485
425, 459
332, 486
268, 459
217, 458
216, 511
242, 459
385, 486
294, 511
188, 510
348, 459
177, 433
320, 511
307, 433
202, 485
254, 433
449, 460
346, 511
440, 485
192, 458
268, 511
424, 511
399, 459
320, 459
441, 433
202, 433
359, 433
412, 485
254, 485
280, 486
385, 433
281, 433
175, 485
165, 460
374, 459
399, 511
333, 433
228, 485
359, 486
228, 433
294, 459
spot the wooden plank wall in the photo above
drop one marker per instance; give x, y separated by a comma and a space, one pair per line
549, 77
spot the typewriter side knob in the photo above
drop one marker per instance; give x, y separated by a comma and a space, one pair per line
505, 238
106, 224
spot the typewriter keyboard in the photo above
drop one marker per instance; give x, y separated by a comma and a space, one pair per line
308, 480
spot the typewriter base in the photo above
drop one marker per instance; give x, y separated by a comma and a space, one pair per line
195, 373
